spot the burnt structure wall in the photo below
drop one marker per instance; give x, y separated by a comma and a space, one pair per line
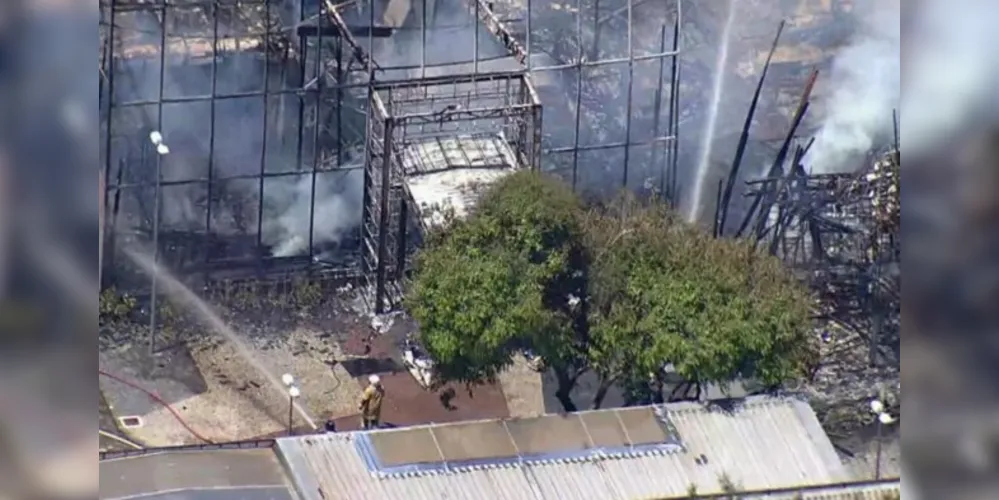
262, 169
265, 106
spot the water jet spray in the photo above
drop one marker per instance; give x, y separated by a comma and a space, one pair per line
211, 319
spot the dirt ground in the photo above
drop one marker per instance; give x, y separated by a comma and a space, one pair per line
213, 391
407, 402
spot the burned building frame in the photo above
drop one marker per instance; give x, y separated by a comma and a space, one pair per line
226, 125
245, 138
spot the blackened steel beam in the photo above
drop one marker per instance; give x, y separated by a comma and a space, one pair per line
328, 31
493, 24
367, 63
740, 150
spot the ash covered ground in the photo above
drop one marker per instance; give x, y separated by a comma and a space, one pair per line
324, 339
322, 335
330, 345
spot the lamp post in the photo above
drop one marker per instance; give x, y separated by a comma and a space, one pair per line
162, 150
293, 393
883, 418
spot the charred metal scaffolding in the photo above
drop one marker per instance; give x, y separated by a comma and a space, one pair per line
215, 126
242, 138
431, 143
842, 232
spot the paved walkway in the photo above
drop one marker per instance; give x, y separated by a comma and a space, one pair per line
523, 389
235, 474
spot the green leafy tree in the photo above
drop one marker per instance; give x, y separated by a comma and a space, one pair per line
620, 290
665, 292
496, 282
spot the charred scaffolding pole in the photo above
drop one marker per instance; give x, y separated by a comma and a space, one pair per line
413, 109
439, 132
262, 95
841, 230
530, 33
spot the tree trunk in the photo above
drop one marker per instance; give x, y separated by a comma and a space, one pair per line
564, 392
682, 392
598, 397
657, 391
677, 393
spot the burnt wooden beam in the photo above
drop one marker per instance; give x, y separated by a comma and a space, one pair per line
313, 29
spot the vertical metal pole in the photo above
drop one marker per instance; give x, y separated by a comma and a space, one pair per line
211, 134
153, 305
423, 47
263, 139
423, 39
475, 43
371, 32
108, 156
631, 92
340, 82
877, 453
401, 246
674, 157
102, 199
302, 49
291, 415
316, 136
383, 216
527, 36
579, 93
658, 105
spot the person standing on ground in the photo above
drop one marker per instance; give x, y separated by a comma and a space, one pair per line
371, 403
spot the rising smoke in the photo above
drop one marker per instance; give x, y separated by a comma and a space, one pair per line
863, 90
951, 72
951, 77
337, 211
234, 145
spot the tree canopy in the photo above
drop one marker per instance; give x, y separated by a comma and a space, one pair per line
622, 289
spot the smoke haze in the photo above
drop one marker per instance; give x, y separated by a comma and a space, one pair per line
951, 80
952, 74
337, 211
235, 145
863, 90
865, 83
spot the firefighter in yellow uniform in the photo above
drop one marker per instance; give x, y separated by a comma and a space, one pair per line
371, 403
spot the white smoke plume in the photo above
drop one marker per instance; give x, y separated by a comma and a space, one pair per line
336, 211
951, 79
951, 73
234, 145
864, 84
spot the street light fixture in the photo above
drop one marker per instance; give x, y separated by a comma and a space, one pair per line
157, 139
287, 379
293, 394
883, 418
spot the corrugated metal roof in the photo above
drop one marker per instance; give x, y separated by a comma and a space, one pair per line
245, 474
760, 443
875, 492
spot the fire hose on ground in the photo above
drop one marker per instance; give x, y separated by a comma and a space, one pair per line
159, 401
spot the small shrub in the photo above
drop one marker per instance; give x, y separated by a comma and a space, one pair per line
306, 293
114, 308
726, 484
246, 296
692, 490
